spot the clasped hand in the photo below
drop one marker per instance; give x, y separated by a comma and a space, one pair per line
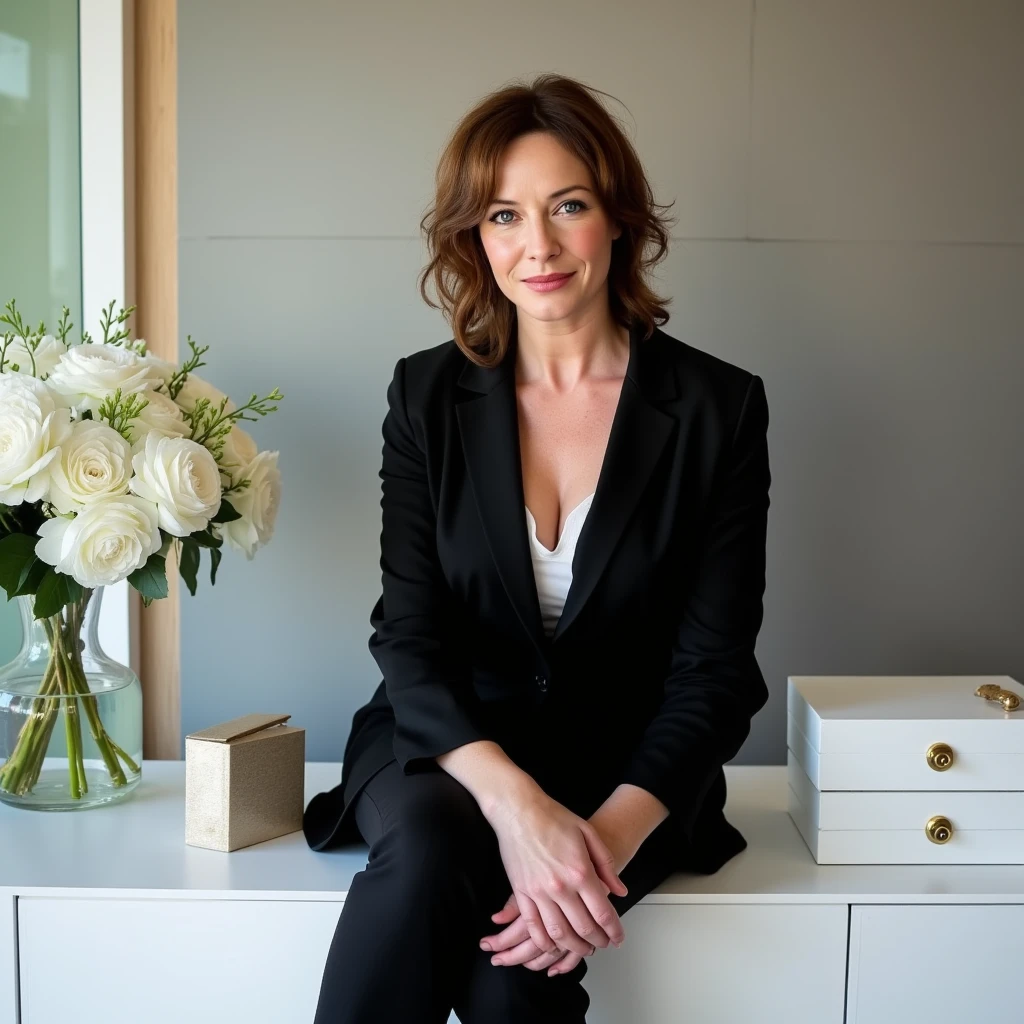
561, 872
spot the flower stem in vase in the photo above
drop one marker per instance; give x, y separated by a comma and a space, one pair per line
72, 720
21, 771
107, 747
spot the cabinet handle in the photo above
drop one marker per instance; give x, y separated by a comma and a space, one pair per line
940, 757
939, 830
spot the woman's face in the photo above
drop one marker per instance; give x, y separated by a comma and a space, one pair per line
539, 224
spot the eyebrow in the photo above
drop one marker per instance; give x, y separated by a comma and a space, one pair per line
554, 195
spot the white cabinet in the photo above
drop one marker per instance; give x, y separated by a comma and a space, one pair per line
8, 960
940, 964
108, 915
165, 961
722, 964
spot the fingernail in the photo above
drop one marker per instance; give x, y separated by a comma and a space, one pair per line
485, 945
496, 960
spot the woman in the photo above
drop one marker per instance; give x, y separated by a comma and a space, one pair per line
572, 552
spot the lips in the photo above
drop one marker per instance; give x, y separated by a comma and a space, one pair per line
547, 283
546, 278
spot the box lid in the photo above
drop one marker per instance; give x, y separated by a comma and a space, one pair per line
846, 712
238, 727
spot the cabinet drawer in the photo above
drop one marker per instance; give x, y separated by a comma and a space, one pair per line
721, 964
168, 961
875, 732
889, 828
898, 759
940, 964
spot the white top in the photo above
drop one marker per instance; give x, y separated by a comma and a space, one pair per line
552, 570
70, 855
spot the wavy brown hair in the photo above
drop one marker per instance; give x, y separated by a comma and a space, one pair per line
481, 315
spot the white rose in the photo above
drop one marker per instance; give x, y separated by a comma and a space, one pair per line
240, 449
104, 543
164, 370
95, 462
46, 355
87, 374
162, 416
195, 388
257, 504
180, 475
32, 428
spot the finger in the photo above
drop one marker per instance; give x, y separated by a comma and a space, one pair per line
508, 913
523, 952
513, 934
604, 861
534, 922
566, 964
604, 914
582, 922
545, 960
557, 925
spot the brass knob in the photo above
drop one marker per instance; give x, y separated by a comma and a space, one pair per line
940, 757
939, 830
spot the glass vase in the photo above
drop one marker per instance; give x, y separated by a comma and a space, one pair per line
70, 716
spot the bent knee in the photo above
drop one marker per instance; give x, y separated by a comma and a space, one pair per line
438, 826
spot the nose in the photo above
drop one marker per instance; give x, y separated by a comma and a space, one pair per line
541, 244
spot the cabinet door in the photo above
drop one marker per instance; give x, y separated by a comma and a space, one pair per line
8, 960
944, 964
723, 963
164, 961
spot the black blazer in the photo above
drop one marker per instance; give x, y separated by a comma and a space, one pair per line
650, 677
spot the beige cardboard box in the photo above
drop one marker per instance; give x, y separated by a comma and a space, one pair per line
244, 782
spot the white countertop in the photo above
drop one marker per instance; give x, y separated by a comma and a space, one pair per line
137, 848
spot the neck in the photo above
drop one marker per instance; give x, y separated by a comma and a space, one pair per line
560, 355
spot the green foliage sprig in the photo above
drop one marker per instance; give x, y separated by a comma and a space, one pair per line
119, 412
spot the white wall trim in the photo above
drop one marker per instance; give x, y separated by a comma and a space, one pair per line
105, 48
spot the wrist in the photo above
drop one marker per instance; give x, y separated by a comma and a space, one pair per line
615, 836
496, 782
517, 792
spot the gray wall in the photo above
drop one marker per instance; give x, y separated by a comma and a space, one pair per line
40, 211
848, 180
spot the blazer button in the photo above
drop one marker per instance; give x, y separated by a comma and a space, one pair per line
542, 683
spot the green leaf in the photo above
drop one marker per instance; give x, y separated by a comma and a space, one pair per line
17, 552
188, 566
206, 540
31, 578
226, 513
55, 591
151, 579
215, 557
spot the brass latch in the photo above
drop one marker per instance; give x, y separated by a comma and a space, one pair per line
1007, 698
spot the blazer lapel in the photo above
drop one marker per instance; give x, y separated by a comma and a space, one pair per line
489, 427
639, 433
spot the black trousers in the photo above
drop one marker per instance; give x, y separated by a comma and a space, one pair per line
406, 949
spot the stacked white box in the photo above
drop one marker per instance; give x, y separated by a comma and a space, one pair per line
906, 769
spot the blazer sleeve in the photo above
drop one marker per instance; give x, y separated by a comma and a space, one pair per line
428, 684
714, 685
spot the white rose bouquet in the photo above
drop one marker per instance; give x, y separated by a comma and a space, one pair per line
109, 456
